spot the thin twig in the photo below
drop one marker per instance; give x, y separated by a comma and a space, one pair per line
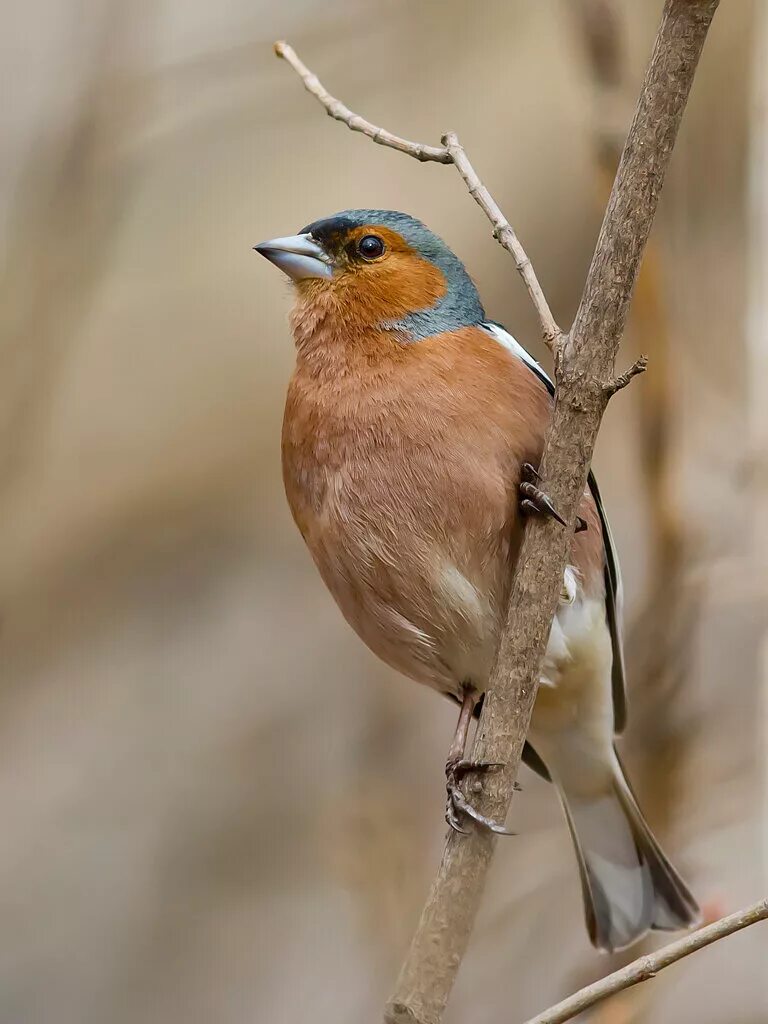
614, 384
503, 233
648, 966
450, 152
337, 110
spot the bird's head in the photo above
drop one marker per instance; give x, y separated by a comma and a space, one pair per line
378, 269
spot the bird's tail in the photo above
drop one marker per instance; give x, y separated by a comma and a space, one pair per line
629, 886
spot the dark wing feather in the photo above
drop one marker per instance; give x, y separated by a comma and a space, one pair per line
613, 588
613, 612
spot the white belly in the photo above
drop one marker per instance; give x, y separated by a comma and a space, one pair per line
574, 706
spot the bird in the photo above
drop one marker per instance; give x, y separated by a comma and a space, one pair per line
412, 430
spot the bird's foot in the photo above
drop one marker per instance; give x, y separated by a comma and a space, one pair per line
458, 807
533, 501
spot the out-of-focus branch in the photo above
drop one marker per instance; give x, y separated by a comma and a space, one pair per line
599, 27
63, 226
648, 966
583, 373
601, 31
451, 152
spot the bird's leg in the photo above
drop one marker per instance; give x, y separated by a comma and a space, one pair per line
533, 500
457, 766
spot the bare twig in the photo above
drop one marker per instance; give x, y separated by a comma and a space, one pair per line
585, 363
336, 109
450, 152
503, 233
648, 966
614, 384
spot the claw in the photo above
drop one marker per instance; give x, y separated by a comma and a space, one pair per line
535, 500
459, 805
453, 821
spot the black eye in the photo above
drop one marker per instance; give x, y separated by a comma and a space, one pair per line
370, 247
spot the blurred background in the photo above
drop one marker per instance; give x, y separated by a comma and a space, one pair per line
216, 804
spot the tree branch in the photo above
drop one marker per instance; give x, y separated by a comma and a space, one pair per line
614, 384
450, 152
336, 109
648, 966
583, 375
503, 233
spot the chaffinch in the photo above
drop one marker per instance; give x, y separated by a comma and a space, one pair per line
412, 426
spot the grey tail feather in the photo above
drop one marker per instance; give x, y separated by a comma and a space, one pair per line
628, 884
676, 907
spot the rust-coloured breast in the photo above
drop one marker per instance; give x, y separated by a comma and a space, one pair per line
401, 467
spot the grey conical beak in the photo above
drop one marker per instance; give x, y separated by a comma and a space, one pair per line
298, 256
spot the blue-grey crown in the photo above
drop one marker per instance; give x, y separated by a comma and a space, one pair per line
459, 307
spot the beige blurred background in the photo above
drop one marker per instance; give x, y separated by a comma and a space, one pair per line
216, 804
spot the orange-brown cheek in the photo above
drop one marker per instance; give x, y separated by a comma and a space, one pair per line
390, 289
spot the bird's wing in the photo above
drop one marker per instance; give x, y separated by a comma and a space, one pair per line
614, 593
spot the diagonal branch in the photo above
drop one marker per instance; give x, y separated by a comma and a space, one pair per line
505, 235
336, 109
648, 966
451, 152
583, 372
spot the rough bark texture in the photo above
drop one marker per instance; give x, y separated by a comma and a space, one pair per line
583, 369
